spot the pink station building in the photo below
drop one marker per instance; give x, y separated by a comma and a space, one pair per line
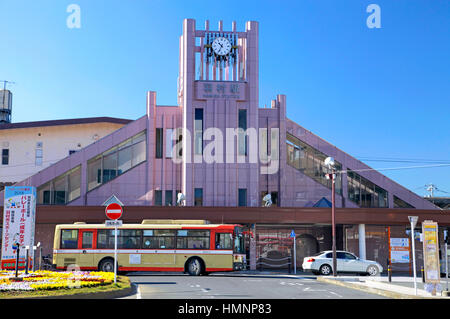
225, 153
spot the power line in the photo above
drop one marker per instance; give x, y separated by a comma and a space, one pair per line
395, 168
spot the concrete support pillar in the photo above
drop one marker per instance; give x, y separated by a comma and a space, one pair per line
362, 241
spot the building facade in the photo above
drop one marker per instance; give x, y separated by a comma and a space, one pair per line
219, 149
29, 147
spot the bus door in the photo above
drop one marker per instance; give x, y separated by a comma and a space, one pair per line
86, 247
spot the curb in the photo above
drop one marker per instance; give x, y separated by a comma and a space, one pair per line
381, 292
124, 292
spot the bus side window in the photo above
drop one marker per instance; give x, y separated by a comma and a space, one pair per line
69, 239
224, 241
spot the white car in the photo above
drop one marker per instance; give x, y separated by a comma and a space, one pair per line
322, 263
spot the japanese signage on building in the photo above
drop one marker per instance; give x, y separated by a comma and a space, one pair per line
399, 250
431, 251
220, 90
19, 211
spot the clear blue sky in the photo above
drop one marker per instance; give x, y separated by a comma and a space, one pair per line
374, 93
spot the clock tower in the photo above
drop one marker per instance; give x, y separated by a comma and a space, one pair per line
218, 94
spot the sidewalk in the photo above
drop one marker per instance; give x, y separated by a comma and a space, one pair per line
401, 287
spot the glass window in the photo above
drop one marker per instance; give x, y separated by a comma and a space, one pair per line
340, 255
242, 197
310, 161
5, 156
193, 239
224, 241
242, 138
398, 203
349, 256
158, 198
69, 239
169, 198
365, 193
198, 197
109, 167
94, 172
169, 142
198, 132
329, 255
124, 159
87, 239
158, 239
126, 238
74, 187
39, 157
116, 161
62, 189
59, 190
159, 143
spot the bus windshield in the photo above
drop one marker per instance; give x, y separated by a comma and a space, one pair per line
238, 246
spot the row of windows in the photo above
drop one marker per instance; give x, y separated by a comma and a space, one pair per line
198, 197
310, 161
145, 239
62, 189
101, 169
360, 190
117, 160
365, 193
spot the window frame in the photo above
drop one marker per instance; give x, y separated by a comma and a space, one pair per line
61, 238
5, 155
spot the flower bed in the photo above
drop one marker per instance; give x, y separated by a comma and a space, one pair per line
51, 280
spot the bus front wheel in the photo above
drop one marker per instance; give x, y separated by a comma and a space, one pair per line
194, 267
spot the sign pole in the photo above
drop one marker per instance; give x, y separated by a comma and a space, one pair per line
446, 265
413, 220
115, 254
295, 257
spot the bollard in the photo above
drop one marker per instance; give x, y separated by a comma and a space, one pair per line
423, 274
389, 273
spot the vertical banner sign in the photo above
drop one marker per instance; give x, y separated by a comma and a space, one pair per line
431, 251
19, 212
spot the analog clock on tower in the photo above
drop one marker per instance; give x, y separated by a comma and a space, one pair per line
221, 46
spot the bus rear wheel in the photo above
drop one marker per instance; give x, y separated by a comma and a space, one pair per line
194, 267
106, 265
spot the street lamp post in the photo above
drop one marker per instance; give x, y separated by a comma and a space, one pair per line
329, 162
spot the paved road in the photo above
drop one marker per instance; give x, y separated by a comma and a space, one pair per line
220, 286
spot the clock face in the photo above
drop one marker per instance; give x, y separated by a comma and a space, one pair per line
221, 46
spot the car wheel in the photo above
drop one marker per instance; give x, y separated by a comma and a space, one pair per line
325, 270
194, 267
372, 270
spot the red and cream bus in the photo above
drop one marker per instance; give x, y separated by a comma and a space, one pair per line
192, 246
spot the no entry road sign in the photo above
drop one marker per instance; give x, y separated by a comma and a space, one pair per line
113, 211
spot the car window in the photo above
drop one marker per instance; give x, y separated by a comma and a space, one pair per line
349, 256
329, 255
340, 255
